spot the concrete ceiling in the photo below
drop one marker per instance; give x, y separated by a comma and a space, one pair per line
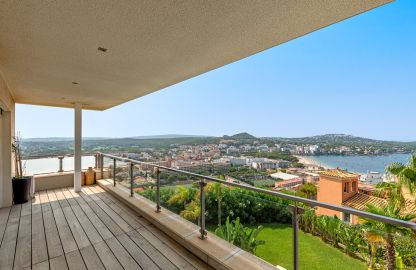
45, 46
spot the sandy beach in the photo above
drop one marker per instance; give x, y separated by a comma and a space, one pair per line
308, 160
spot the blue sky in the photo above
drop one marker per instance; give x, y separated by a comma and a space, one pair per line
356, 77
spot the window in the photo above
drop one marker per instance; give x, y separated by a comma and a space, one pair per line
354, 186
346, 187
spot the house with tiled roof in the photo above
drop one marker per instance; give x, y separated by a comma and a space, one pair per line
336, 186
342, 188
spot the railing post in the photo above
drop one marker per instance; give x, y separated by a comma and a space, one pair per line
158, 190
131, 178
61, 167
114, 172
202, 185
102, 166
96, 156
295, 235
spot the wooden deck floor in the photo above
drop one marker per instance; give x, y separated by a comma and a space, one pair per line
61, 229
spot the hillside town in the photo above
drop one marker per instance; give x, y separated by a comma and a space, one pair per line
280, 167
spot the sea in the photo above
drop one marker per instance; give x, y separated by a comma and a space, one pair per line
50, 165
360, 164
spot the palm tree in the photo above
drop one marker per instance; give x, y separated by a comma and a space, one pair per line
386, 231
405, 174
192, 212
391, 191
182, 195
218, 192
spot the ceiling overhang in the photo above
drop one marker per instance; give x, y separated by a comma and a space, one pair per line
49, 49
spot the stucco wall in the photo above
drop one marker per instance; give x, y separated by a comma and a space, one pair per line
53, 180
329, 191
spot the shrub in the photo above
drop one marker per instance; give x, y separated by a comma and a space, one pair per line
243, 237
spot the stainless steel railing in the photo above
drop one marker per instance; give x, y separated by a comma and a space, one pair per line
295, 209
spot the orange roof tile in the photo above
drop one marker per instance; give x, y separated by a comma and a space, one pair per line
360, 200
339, 174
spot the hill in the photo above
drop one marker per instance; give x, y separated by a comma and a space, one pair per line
240, 136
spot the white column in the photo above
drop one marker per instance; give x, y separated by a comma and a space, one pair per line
6, 159
77, 147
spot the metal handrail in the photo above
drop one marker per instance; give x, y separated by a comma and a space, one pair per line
295, 209
352, 211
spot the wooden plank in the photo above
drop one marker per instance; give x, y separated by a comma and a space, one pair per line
110, 212
61, 199
26, 208
139, 256
41, 266
107, 220
44, 201
91, 259
58, 263
107, 257
131, 220
156, 255
65, 234
24, 248
177, 254
4, 217
53, 200
122, 255
92, 216
75, 261
8, 245
123, 206
86, 224
53, 241
79, 235
39, 246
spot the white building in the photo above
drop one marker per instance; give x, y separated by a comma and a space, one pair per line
268, 164
232, 150
372, 178
263, 148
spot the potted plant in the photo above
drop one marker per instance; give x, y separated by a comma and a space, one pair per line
21, 183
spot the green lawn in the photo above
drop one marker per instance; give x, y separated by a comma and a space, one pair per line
313, 253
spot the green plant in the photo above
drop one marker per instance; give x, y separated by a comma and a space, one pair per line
217, 189
243, 237
406, 174
351, 237
387, 231
191, 212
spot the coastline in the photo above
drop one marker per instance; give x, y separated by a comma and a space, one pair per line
308, 160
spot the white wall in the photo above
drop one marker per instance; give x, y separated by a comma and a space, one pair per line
7, 120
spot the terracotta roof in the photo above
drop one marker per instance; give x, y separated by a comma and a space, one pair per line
338, 173
360, 200
366, 187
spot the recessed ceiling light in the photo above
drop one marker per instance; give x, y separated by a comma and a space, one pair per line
75, 83
102, 49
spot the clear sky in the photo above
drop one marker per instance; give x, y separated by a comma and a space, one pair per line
356, 77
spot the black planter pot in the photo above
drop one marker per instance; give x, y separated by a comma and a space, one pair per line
21, 189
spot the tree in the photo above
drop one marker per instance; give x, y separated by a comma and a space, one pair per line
217, 189
183, 195
405, 174
391, 191
309, 190
386, 231
192, 212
